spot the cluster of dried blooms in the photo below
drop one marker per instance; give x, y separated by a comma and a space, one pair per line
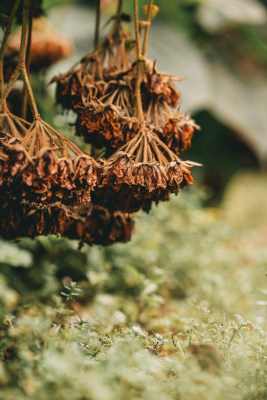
104, 126
32, 169
90, 225
49, 186
142, 172
42, 193
99, 73
104, 100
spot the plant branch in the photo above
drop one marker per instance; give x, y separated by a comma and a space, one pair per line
139, 61
97, 24
147, 28
4, 42
118, 15
23, 52
21, 67
28, 61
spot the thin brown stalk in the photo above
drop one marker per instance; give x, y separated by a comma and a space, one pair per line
147, 28
27, 61
4, 42
139, 62
139, 155
97, 23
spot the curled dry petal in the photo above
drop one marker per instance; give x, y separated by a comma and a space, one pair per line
178, 132
44, 177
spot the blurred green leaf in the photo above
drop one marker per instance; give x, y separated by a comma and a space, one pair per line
10, 254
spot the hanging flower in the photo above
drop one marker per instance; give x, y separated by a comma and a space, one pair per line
31, 167
91, 224
97, 225
178, 132
103, 125
143, 171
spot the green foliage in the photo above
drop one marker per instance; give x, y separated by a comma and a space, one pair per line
155, 318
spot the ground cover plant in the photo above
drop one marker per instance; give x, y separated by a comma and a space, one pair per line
178, 318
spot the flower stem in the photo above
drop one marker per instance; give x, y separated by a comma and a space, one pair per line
118, 15
21, 67
97, 24
119, 8
3, 45
23, 52
28, 61
145, 41
139, 62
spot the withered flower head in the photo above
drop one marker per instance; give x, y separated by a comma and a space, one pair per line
98, 74
178, 132
103, 125
145, 170
91, 224
80, 85
97, 225
159, 93
27, 219
32, 168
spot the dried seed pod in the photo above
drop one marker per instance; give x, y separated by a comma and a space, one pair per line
145, 170
178, 132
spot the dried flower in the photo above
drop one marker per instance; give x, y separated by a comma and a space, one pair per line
159, 93
91, 224
97, 225
99, 73
178, 132
143, 171
103, 125
31, 168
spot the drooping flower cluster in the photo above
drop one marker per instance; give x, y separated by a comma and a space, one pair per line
32, 169
126, 108
142, 172
90, 225
105, 102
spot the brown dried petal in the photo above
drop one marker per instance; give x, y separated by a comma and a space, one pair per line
175, 173
65, 174
46, 163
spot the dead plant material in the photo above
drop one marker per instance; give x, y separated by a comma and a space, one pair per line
145, 170
90, 224
43, 166
177, 132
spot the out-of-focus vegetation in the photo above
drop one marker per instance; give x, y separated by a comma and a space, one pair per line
156, 318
